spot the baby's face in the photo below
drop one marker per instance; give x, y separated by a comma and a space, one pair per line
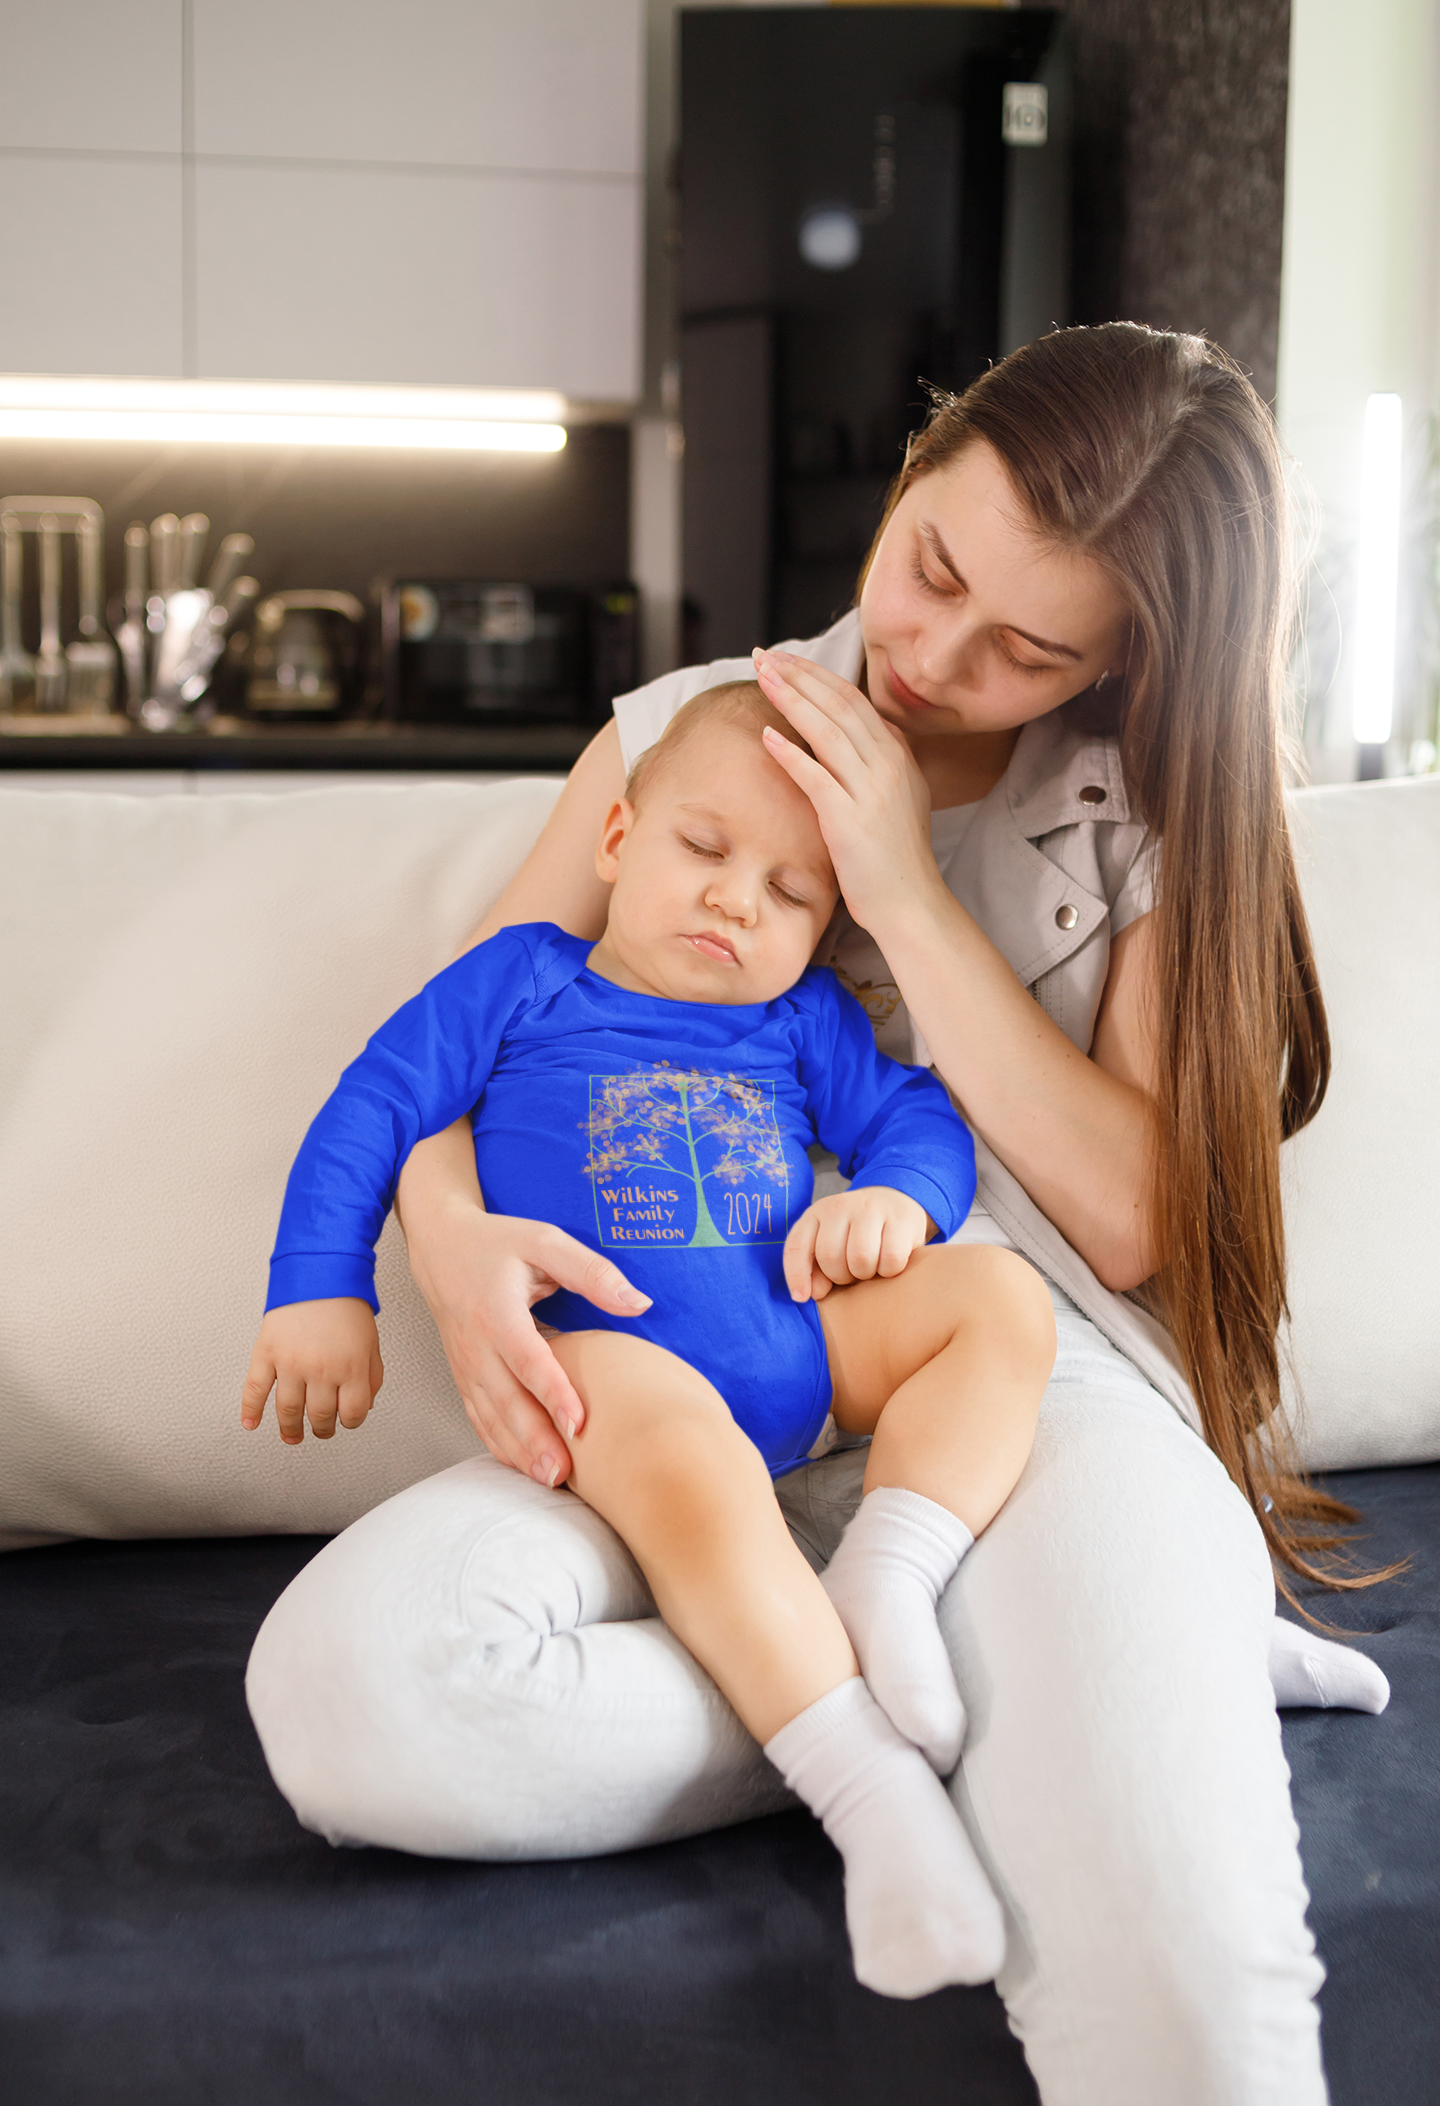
723, 886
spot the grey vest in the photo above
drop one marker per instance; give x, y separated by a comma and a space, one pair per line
1044, 858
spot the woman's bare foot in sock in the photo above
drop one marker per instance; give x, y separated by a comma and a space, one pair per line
1308, 1669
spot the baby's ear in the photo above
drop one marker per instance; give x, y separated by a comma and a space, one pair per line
618, 822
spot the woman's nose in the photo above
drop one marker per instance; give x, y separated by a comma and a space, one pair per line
948, 650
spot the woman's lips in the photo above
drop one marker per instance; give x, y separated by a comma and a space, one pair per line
905, 696
716, 947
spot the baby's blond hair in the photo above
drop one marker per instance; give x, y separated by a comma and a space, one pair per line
732, 702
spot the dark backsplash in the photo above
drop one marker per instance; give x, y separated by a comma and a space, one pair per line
341, 519
1180, 167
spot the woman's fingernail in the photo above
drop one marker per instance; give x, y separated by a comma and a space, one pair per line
632, 1300
568, 1426
546, 1472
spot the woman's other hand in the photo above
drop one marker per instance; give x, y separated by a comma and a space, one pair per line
481, 1274
869, 796
870, 1232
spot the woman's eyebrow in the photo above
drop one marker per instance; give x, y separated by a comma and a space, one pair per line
943, 557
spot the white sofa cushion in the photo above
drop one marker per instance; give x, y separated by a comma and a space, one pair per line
1362, 1182
183, 979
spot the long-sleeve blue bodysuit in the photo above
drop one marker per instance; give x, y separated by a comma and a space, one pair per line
670, 1135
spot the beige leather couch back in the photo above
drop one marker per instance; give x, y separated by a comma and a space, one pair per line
183, 978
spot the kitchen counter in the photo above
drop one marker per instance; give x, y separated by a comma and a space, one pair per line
238, 743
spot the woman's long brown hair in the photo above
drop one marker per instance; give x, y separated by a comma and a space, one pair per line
1152, 454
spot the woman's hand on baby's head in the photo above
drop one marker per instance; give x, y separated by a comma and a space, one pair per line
322, 1359
870, 1232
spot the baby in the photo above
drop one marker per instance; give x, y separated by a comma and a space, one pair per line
655, 1094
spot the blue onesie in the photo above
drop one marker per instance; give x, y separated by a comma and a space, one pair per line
670, 1135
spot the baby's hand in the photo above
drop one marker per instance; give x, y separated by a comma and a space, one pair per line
322, 1360
856, 1235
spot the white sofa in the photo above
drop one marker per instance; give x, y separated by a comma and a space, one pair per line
182, 979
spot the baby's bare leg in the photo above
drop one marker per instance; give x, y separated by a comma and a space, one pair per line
662, 1460
660, 1457
946, 1364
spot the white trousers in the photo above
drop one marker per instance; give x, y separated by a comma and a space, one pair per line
476, 1669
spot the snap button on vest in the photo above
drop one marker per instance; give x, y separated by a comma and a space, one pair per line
1066, 916
1092, 794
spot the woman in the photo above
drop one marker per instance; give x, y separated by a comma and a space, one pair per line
1048, 771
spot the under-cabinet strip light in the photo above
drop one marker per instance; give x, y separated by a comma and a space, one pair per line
280, 413
1379, 571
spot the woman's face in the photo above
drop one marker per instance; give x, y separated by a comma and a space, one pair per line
971, 622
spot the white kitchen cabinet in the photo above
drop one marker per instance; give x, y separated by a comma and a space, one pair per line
543, 85
236, 782
445, 192
90, 249
94, 76
325, 273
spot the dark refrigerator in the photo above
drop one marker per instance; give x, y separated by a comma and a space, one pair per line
871, 199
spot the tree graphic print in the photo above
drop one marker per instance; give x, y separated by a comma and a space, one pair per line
710, 1130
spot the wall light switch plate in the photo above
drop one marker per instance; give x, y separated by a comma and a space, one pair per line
1025, 113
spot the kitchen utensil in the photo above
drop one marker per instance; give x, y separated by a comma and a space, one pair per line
131, 633
17, 668
164, 569
90, 658
184, 612
50, 659
68, 512
240, 598
189, 675
196, 619
232, 552
305, 661
191, 547
41, 682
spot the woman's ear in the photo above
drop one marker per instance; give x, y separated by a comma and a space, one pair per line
618, 822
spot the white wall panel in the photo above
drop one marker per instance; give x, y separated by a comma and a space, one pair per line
393, 275
91, 73
90, 262
533, 84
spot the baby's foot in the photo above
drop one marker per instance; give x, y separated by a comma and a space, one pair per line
919, 1909
894, 1562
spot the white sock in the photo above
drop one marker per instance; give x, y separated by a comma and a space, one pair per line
1308, 1669
918, 1907
895, 1560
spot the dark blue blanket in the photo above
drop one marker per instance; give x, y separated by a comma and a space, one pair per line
168, 1935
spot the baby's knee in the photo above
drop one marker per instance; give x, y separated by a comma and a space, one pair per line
1001, 1294
644, 1406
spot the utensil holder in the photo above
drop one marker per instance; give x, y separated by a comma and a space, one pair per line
53, 681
